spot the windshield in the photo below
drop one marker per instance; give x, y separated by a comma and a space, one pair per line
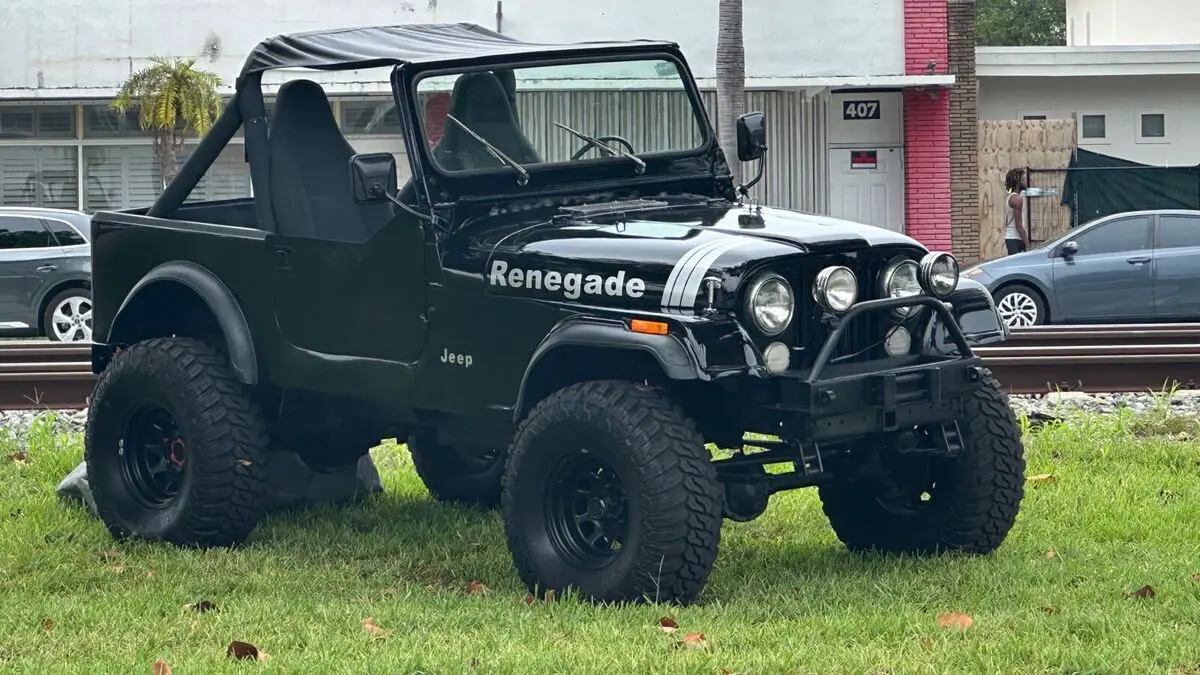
620, 110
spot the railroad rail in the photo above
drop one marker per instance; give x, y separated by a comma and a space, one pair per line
41, 375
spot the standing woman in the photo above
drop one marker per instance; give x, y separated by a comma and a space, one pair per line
1015, 238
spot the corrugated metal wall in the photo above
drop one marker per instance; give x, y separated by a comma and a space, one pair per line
659, 120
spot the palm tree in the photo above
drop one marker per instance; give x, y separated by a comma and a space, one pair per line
174, 99
731, 80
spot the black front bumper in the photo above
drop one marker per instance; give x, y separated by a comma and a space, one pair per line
842, 401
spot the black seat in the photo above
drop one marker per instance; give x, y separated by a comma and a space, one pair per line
479, 101
310, 175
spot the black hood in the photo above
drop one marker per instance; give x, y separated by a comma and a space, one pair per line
651, 258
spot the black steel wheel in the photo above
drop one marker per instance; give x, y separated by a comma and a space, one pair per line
588, 510
966, 503
176, 447
610, 492
154, 456
452, 476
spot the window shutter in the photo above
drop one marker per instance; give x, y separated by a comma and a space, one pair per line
39, 176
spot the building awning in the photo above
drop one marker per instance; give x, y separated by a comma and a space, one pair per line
1089, 61
840, 82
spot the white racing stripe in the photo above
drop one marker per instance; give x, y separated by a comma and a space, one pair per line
683, 284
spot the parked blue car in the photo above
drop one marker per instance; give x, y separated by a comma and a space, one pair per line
1133, 267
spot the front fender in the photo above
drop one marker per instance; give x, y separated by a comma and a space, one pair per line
220, 301
975, 311
675, 352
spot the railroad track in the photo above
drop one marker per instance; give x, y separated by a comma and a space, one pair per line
38, 375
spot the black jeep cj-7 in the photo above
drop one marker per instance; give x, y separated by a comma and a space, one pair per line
561, 302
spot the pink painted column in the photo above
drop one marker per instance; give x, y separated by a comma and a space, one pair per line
927, 126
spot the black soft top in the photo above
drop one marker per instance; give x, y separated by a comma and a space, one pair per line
373, 46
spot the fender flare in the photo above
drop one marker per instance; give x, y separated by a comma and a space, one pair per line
220, 301
677, 360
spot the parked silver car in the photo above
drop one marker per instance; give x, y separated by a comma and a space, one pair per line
45, 273
1137, 266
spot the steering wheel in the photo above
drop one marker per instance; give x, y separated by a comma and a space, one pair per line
589, 145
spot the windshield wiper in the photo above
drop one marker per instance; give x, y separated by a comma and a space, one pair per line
495, 152
641, 166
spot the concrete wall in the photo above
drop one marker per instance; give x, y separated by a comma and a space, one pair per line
67, 45
1133, 22
1122, 100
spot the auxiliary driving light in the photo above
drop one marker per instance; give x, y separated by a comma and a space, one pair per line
777, 357
835, 289
938, 274
898, 341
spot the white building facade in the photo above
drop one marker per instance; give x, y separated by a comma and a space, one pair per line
61, 145
1129, 75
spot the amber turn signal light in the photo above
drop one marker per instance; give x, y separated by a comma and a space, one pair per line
648, 327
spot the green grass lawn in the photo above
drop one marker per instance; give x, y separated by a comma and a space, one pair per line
1122, 511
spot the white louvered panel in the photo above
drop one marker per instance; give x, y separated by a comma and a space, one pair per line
784, 181
227, 178
38, 176
120, 177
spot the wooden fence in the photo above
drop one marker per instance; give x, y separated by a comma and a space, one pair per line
1013, 144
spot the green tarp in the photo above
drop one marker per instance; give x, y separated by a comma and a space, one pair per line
1099, 185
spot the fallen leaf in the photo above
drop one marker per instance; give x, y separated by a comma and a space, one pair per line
161, 668
373, 629
693, 641
194, 624
667, 625
1042, 479
149, 574
117, 570
926, 642
474, 663
1196, 577
476, 588
18, 457
1051, 554
109, 556
529, 598
1049, 610
47, 624
549, 595
1142, 593
201, 607
245, 651
956, 620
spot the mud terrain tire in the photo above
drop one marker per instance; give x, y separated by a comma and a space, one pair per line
216, 438
972, 512
644, 476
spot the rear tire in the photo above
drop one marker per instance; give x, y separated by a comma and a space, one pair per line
175, 446
450, 477
1020, 306
612, 461
972, 506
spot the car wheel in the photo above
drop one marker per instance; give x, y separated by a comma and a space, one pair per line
452, 477
1020, 306
175, 446
967, 503
68, 316
610, 492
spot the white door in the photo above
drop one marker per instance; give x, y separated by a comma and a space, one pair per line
866, 185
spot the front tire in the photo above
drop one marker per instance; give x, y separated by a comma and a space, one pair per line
972, 502
610, 491
68, 316
175, 446
1020, 306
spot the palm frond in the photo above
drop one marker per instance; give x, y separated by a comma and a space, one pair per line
171, 92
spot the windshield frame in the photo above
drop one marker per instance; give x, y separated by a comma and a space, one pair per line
557, 175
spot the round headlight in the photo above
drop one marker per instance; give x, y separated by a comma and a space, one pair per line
900, 281
939, 274
835, 289
770, 304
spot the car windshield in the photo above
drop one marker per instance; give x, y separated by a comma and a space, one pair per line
510, 119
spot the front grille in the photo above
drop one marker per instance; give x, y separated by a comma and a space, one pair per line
863, 338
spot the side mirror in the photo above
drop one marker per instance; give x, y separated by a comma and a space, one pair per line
373, 177
1069, 249
751, 136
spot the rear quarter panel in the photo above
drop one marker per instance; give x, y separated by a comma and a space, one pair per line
125, 247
